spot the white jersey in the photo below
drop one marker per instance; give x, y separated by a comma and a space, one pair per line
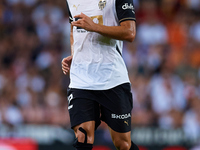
97, 63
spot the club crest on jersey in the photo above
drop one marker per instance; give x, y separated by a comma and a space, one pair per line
102, 4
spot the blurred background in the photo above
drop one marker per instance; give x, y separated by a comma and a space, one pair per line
163, 64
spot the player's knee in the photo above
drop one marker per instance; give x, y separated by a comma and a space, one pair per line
80, 136
122, 145
84, 136
83, 141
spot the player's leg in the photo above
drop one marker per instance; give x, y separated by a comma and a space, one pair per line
116, 106
84, 135
122, 141
84, 117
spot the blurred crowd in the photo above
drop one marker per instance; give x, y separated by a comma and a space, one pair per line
163, 63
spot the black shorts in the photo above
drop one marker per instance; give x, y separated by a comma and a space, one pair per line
113, 106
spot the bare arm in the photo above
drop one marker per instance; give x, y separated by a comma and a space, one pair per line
126, 31
66, 62
72, 40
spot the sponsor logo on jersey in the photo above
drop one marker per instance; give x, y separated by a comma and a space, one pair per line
96, 19
76, 6
102, 4
126, 6
123, 116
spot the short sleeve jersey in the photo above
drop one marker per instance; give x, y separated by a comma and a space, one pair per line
97, 62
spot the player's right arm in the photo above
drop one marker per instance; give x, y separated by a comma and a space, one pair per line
126, 30
66, 62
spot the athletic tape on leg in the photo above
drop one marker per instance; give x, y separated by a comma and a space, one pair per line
82, 130
82, 146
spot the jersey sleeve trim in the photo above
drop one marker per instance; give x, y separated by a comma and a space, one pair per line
125, 19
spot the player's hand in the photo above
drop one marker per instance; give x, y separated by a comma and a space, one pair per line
66, 63
84, 22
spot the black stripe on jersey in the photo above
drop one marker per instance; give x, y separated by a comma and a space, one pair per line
117, 48
70, 15
125, 10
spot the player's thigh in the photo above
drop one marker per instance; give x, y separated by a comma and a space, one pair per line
82, 108
122, 141
116, 108
89, 128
